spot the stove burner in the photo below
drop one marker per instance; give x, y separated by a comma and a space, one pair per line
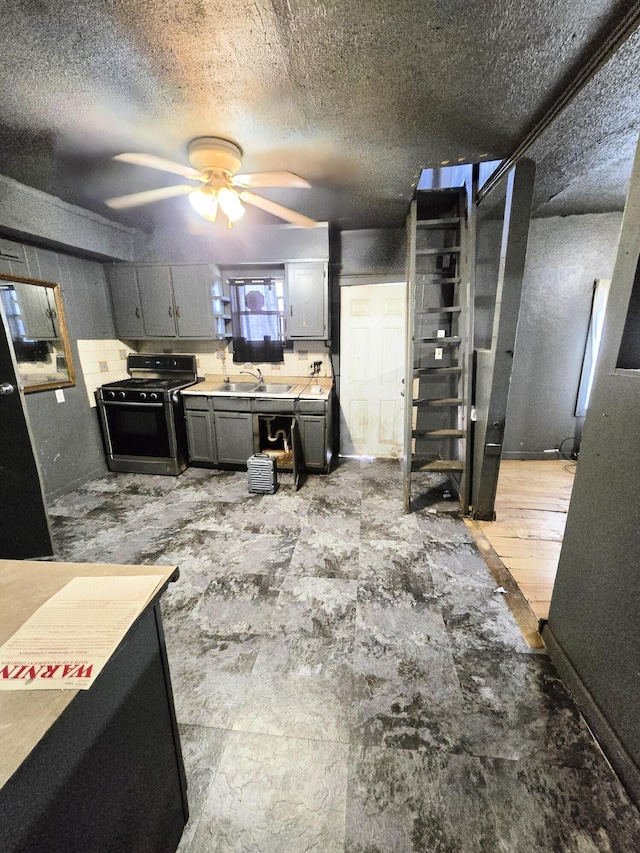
147, 384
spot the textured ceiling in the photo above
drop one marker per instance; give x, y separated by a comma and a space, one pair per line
355, 97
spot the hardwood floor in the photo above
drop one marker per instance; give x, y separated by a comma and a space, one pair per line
531, 511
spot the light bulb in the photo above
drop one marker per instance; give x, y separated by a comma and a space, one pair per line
205, 203
230, 204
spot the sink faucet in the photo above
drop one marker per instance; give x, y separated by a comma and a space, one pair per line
259, 377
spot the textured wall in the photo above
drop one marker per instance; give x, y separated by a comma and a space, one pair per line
26, 212
264, 244
564, 257
593, 620
374, 251
66, 435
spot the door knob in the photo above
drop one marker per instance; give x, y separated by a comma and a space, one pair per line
6, 388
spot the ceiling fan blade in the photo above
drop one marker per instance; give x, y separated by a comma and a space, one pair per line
135, 199
277, 210
153, 162
270, 179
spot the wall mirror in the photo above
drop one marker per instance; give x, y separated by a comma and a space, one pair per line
35, 319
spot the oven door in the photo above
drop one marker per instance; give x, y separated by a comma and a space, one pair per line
140, 430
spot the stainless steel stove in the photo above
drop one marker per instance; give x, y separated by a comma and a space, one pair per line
142, 418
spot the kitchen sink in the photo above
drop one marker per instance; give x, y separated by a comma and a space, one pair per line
237, 386
272, 388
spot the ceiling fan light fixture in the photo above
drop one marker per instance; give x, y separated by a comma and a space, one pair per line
205, 203
230, 204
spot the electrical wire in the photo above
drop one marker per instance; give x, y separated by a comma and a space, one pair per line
573, 453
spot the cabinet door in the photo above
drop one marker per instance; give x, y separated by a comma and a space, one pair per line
35, 311
234, 437
307, 297
313, 437
200, 436
156, 298
193, 299
127, 310
13, 259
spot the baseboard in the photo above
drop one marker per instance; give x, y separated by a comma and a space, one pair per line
77, 483
614, 750
516, 454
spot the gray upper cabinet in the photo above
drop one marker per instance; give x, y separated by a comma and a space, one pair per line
308, 300
192, 294
38, 311
159, 301
127, 309
156, 299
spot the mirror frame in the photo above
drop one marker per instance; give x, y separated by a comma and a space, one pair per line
64, 334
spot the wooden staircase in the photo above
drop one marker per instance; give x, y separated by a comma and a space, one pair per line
439, 332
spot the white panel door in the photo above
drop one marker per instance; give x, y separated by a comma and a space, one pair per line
372, 355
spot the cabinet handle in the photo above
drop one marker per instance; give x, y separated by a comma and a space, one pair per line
170, 311
54, 314
178, 311
137, 313
291, 309
47, 312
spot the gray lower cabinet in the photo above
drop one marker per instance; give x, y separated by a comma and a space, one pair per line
313, 440
228, 431
201, 437
234, 437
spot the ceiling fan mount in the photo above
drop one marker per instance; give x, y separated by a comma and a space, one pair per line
214, 154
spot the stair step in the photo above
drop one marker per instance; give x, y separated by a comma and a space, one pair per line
449, 222
437, 465
442, 309
450, 250
434, 371
453, 342
438, 433
443, 401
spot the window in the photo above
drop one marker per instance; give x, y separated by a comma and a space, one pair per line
257, 315
594, 337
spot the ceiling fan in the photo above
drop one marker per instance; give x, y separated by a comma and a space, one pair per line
215, 162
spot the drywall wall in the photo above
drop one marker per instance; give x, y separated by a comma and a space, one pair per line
565, 256
66, 435
592, 633
26, 213
373, 251
264, 244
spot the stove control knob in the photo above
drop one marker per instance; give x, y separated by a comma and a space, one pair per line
143, 396
122, 395
153, 396
111, 395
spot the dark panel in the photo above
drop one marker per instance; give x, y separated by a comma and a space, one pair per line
24, 530
108, 776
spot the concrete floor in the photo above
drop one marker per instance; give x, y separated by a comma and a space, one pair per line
346, 678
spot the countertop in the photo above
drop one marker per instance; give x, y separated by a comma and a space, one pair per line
26, 715
301, 387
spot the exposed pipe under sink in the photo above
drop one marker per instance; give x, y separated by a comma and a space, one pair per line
279, 433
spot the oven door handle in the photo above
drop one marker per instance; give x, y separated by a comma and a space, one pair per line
128, 403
